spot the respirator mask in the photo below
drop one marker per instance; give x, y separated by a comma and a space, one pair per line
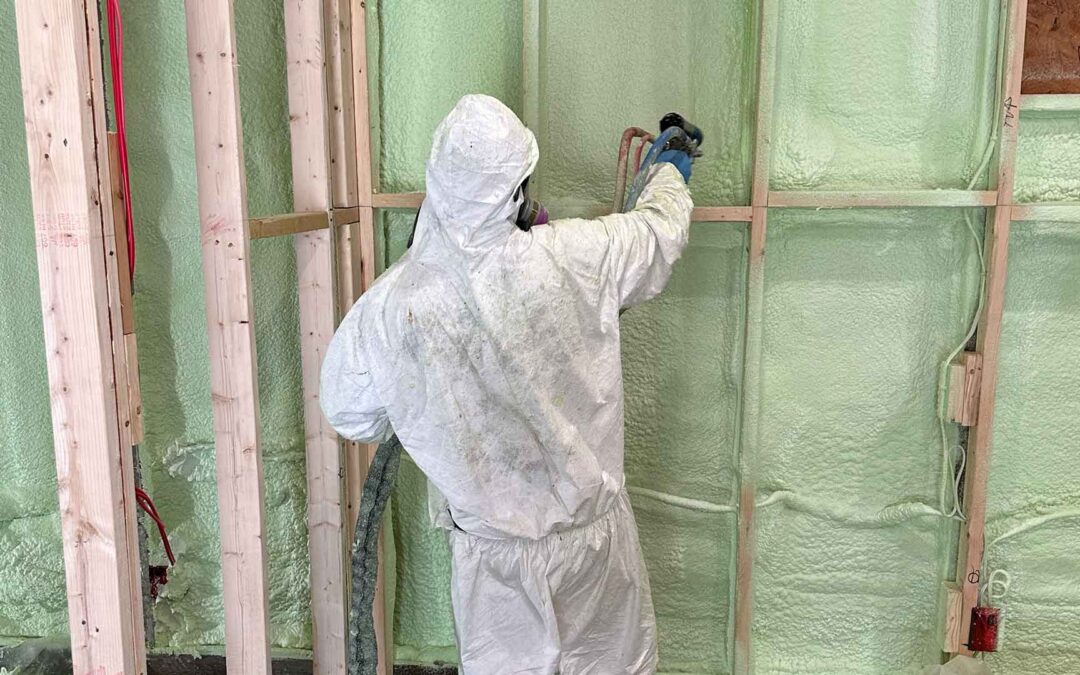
531, 212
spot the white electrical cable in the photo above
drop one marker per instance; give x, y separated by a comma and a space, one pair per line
682, 502
948, 465
995, 588
956, 474
1034, 523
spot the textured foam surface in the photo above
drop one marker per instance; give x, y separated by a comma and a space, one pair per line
1048, 157
424, 620
1033, 470
427, 55
687, 345
609, 65
882, 95
860, 309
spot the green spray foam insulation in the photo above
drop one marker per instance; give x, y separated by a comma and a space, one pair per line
883, 95
860, 308
1033, 504
1048, 157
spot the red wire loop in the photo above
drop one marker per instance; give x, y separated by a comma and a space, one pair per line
148, 505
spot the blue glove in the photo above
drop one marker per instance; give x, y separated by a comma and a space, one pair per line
680, 159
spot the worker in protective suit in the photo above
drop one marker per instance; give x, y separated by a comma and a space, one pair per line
493, 353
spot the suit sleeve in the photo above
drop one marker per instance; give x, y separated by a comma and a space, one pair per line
632, 253
347, 389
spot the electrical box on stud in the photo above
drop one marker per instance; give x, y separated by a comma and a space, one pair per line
984, 629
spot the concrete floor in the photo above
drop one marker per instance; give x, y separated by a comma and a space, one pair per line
38, 658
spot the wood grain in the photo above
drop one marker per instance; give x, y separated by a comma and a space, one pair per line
226, 255
64, 105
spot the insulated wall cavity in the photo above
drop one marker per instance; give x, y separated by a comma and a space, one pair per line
879, 95
423, 57
860, 310
1048, 156
682, 362
1033, 504
178, 452
608, 65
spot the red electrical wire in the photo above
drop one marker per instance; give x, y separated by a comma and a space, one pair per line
148, 505
116, 59
116, 62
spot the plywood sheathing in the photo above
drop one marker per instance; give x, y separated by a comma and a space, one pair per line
1052, 47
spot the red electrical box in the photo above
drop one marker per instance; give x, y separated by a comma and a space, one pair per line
984, 629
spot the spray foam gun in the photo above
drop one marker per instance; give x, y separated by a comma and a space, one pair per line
676, 133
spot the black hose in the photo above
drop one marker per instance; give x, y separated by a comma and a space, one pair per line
363, 651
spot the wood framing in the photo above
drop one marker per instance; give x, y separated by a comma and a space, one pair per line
970, 553
219, 154
714, 214
342, 103
1055, 213
1050, 102
407, 200
722, 214
310, 121
954, 620
346, 216
288, 224
965, 378
127, 355
64, 105
883, 199
749, 435
361, 111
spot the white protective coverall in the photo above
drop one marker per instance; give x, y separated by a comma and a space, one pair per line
494, 355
